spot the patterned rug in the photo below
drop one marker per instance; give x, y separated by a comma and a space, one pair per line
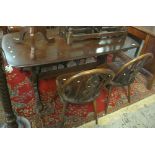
23, 101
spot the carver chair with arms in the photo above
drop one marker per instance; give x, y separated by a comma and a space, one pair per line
82, 88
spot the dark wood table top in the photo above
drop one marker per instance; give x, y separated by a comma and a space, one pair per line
18, 54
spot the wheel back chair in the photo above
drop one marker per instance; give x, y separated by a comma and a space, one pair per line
126, 74
82, 88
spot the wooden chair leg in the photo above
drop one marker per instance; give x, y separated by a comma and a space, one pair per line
129, 93
63, 114
53, 100
150, 83
108, 99
95, 111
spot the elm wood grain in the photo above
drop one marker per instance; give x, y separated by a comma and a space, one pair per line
32, 31
17, 54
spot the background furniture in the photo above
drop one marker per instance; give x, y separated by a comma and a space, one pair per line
77, 33
146, 35
82, 88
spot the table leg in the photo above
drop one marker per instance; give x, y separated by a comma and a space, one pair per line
35, 81
101, 59
41, 109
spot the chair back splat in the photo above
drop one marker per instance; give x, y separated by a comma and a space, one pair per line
83, 87
127, 73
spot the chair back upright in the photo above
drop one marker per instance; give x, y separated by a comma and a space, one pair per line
127, 73
85, 86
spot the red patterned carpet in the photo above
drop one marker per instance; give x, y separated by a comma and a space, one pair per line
23, 101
